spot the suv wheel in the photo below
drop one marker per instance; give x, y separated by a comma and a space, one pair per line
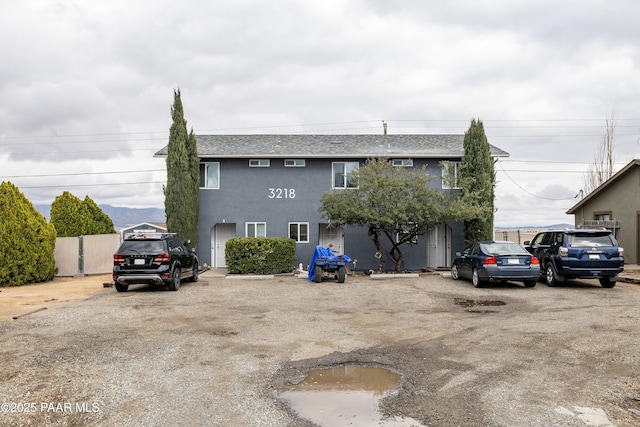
606, 282
550, 276
194, 273
121, 288
174, 283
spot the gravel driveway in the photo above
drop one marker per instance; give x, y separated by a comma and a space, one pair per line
217, 352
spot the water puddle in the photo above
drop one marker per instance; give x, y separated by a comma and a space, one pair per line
345, 396
470, 303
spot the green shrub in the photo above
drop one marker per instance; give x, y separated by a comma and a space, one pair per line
27, 241
73, 217
260, 255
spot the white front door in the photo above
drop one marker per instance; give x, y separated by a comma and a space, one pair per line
331, 236
220, 233
439, 247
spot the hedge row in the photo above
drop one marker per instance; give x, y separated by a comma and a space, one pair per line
260, 255
27, 241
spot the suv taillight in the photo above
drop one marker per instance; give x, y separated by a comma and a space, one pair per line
160, 258
621, 252
563, 252
118, 259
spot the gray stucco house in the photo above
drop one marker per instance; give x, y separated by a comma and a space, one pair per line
615, 205
271, 185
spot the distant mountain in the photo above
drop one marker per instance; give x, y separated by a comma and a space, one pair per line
124, 217
121, 216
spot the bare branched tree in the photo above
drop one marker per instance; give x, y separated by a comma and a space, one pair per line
602, 167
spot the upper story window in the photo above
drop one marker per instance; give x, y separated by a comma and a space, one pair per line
343, 174
450, 175
294, 163
259, 163
210, 175
256, 229
402, 163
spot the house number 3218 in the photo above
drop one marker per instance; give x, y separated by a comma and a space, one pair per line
282, 193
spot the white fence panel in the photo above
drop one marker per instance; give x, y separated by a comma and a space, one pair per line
85, 254
517, 235
98, 253
66, 255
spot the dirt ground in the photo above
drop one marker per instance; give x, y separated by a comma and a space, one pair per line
16, 301
219, 351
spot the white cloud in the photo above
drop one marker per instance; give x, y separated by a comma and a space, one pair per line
87, 86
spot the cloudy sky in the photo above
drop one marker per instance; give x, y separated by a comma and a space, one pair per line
86, 87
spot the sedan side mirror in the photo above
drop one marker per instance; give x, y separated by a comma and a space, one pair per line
527, 242
458, 254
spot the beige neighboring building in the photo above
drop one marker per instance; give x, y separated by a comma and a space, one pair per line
615, 205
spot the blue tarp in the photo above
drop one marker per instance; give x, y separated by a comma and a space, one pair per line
321, 252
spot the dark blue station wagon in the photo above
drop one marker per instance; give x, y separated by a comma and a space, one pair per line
498, 261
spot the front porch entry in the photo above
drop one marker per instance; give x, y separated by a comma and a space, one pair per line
439, 247
220, 233
331, 235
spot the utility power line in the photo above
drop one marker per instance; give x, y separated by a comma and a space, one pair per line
101, 184
530, 193
82, 173
569, 123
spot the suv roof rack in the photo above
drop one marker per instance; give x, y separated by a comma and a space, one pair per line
148, 235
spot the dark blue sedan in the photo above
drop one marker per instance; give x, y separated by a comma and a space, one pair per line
484, 262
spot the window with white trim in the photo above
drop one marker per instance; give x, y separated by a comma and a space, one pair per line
210, 175
450, 175
299, 231
259, 163
294, 163
256, 229
404, 231
403, 163
343, 174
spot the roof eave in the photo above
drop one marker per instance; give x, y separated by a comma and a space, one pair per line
594, 193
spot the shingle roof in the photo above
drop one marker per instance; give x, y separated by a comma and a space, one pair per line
262, 146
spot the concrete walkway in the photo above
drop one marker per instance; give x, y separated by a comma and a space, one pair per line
631, 273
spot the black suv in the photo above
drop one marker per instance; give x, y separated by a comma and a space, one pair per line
160, 259
566, 254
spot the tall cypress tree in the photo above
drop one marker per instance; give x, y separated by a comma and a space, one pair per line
181, 201
477, 181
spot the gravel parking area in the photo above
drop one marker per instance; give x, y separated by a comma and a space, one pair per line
217, 352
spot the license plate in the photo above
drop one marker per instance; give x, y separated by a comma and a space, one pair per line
594, 256
513, 261
138, 262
